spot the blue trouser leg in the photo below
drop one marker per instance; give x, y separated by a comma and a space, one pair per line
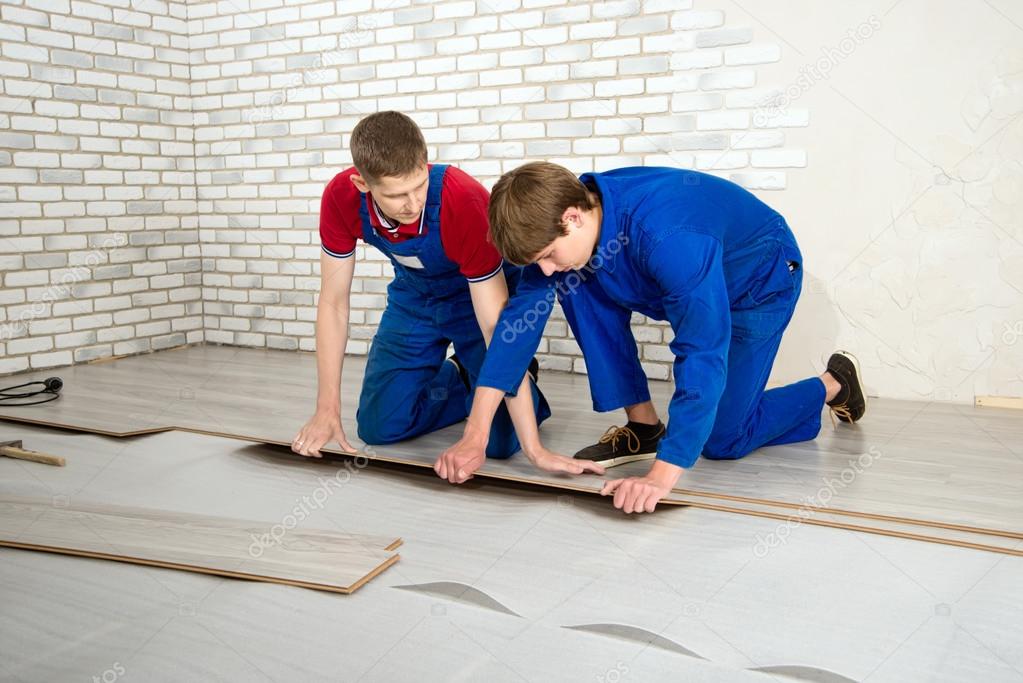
408, 388
747, 416
603, 330
471, 350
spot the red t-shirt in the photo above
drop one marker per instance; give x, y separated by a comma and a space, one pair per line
463, 223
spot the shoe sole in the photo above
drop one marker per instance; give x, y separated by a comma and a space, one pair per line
859, 380
622, 460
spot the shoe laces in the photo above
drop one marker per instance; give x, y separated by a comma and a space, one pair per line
841, 410
614, 433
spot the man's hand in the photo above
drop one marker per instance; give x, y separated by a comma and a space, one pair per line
325, 426
549, 461
458, 463
641, 494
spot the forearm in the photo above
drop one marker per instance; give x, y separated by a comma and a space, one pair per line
485, 403
331, 340
523, 416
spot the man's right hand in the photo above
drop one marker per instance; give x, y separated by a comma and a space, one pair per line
549, 461
458, 463
324, 427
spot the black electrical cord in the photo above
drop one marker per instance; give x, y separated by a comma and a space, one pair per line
51, 387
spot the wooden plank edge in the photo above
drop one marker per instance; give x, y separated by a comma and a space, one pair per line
90, 430
1018, 552
949, 526
346, 590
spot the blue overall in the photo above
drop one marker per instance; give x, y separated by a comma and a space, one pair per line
721, 267
408, 388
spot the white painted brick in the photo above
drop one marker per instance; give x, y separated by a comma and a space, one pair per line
51, 360
607, 68
593, 30
724, 36
644, 105
728, 79
545, 36
619, 87
596, 146
700, 59
669, 124
616, 48
722, 120
519, 21
617, 8
552, 110
618, 126
533, 55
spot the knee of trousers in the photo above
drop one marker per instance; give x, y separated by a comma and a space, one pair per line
374, 430
726, 447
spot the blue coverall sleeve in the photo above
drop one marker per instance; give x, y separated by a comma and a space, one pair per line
688, 269
518, 332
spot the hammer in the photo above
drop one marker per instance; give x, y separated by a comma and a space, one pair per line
13, 449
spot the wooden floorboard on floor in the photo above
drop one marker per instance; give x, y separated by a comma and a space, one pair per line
950, 464
258, 551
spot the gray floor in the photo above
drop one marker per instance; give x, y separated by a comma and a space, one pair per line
496, 582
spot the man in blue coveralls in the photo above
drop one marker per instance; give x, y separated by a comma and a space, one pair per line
449, 287
718, 264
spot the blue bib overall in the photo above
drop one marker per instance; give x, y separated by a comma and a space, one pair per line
408, 388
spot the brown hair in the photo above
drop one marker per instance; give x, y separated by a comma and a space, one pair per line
526, 206
387, 144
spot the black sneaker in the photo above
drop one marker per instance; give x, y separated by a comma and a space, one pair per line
619, 445
534, 369
850, 403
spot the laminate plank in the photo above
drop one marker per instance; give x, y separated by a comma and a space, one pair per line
324, 560
936, 463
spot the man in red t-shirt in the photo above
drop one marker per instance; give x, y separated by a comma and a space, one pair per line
449, 287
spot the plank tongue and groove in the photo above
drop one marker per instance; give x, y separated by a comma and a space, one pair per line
319, 559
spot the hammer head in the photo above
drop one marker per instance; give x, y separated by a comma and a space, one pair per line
15, 444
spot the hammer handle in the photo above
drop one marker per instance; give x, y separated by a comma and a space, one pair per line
34, 456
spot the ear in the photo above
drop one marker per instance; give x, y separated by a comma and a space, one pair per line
572, 218
360, 183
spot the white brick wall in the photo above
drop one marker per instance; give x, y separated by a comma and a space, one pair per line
493, 84
221, 150
98, 235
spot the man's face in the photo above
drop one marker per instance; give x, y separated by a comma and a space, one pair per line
571, 251
400, 198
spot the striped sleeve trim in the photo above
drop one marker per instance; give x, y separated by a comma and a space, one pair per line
337, 254
481, 278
